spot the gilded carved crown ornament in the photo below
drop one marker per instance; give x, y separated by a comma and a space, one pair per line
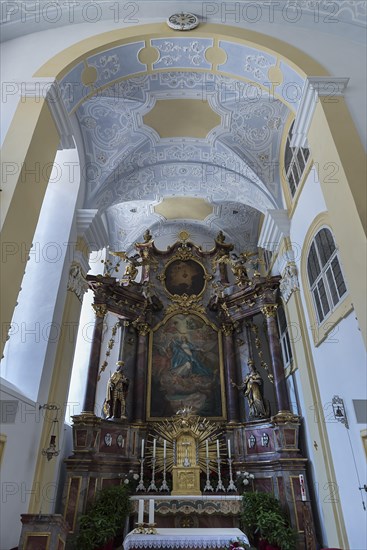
185, 304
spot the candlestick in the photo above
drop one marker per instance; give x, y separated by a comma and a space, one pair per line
218, 455
154, 446
206, 448
152, 486
151, 511
142, 448
303, 489
164, 448
231, 485
141, 486
229, 448
208, 485
141, 511
220, 486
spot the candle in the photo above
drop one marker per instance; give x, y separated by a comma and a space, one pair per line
302, 485
218, 448
142, 448
164, 448
229, 448
207, 448
154, 444
151, 510
141, 510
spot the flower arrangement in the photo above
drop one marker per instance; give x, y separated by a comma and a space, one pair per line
238, 544
243, 478
130, 481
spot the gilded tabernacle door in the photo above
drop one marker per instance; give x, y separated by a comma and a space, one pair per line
185, 367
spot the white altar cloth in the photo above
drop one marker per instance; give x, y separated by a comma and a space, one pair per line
185, 538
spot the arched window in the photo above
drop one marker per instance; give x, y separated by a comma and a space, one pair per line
284, 338
295, 160
325, 274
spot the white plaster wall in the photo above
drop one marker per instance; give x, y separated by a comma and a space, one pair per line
335, 45
18, 464
340, 365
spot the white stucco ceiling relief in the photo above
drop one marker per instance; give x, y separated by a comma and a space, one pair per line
239, 223
135, 151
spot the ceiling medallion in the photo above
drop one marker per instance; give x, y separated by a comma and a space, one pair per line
183, 21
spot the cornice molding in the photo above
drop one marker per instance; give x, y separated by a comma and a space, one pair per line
48, 89
90, 226
275, 227
315, 87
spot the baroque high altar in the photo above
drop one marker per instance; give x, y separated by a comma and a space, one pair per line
198, 393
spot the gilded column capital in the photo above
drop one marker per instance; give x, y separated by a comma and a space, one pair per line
227, 328
269, 310
142, 328
100, 310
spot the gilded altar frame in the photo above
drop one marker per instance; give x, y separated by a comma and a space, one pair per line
161, 375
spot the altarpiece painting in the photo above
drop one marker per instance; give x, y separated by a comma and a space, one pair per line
185, 367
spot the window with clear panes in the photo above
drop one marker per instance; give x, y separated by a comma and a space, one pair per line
295, 160
284, 338
325, 274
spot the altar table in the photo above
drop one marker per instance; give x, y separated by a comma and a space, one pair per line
185, 538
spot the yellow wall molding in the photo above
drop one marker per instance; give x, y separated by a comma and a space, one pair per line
321, 330
3, 438
364, 440
27, 158
46, 472
340, 160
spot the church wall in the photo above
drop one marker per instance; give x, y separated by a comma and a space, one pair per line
340, 368
21, 422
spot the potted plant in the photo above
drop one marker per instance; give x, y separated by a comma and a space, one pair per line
266, 524
104, 519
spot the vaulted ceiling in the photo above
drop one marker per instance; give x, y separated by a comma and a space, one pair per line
182, 132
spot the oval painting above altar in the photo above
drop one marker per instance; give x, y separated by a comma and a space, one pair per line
185, 277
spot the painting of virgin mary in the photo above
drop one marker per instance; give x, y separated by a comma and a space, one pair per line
185, 368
